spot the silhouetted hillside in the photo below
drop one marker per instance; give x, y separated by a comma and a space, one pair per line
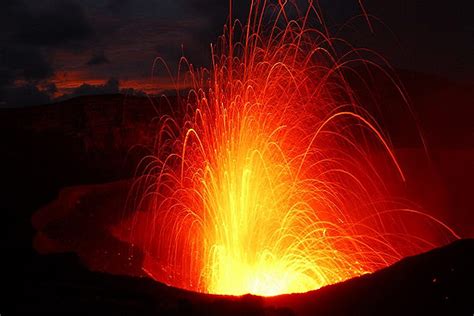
434, 283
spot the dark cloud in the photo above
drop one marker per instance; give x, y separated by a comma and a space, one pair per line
12, 12
39, 39
21, 69
23, 95
30, 34
23, 63
112, 86
19, 61
426, 36
118, 5
63, 23
98, 59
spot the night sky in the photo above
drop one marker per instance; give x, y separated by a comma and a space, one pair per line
52, 50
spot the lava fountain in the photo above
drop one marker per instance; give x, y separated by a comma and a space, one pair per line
264, 183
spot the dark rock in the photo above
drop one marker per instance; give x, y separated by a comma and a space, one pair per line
434, 283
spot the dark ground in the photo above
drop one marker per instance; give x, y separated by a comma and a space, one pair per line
87, 141
435, 283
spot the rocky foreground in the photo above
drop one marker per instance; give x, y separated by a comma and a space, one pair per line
435, 283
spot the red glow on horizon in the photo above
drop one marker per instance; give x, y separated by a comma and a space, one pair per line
67, 81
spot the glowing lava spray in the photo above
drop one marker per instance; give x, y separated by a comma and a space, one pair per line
265, 184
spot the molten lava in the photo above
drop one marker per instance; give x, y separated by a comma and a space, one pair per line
266, 184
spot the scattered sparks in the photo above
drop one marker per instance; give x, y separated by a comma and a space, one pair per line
265, 185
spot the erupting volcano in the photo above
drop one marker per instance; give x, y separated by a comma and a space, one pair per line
267, 182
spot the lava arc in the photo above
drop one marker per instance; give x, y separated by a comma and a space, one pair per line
265, 183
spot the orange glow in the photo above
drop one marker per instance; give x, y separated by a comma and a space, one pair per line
267, 184
66, 82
